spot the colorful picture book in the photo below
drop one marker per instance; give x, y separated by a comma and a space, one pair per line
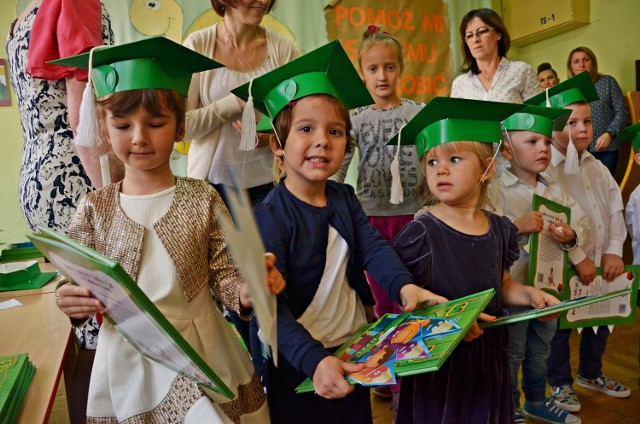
16, 373
128, 308
617, 310
409, 343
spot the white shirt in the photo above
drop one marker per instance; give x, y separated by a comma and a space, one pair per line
336, 311
513, 82
512, 197
632, 217
598, 194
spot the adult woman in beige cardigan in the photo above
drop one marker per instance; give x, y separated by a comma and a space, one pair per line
247, 50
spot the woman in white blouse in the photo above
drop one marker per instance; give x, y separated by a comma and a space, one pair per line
487, 73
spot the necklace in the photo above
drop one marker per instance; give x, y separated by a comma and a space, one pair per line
238, 53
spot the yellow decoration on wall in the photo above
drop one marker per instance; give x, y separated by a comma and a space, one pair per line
158, 17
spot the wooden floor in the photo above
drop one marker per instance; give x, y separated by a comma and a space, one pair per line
621, 363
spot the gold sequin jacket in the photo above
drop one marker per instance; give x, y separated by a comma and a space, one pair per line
188, 229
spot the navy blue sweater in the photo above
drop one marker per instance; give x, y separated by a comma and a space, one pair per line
297, 233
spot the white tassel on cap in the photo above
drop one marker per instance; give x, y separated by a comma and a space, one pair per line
572, 160
397, 195
249, 138
88, 134
548, 103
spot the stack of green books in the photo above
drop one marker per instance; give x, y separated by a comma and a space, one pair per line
16, 373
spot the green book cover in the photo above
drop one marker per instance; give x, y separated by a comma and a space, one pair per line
129, 309
617, 310
409, 343
16, 373
547, 260
554, 309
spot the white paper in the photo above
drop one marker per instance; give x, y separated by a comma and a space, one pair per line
247, 251
9, 304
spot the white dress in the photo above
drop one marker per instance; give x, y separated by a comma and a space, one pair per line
132, 388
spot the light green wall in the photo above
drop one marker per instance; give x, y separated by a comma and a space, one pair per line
12, 223
613, 34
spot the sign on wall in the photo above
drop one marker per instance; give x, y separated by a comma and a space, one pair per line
422, 29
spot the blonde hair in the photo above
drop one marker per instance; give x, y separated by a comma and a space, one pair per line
483, 151
374, 36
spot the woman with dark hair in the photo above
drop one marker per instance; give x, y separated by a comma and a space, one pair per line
547, 76
487, 73
609, 114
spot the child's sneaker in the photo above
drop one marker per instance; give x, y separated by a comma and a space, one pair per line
565, 398
605, 385
549, 413
519, 418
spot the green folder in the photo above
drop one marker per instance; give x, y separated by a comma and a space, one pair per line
16, 374
464, 311
129, 309
20, 254
23, 276
554, 309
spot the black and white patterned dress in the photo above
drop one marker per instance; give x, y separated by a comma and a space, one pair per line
52, 179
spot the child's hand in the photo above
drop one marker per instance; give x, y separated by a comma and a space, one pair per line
612, 266
561, 232
586, 271
530, 223
539, 299
475, 331
328, 378
275, 282
77, 302
412, 296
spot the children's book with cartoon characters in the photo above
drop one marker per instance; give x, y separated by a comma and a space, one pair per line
409, 343
617, 310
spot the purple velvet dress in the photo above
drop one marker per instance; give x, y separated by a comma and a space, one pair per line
473, 385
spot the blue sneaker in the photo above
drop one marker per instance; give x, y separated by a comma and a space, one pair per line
519, 418
548, 412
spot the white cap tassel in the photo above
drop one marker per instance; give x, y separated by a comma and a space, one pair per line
572, 160
548, 103
397, 195
249, 138
88, 134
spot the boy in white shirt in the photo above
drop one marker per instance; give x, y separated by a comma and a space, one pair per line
632, 211
527, 147
589, 182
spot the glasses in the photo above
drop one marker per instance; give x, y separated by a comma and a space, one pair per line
481, 33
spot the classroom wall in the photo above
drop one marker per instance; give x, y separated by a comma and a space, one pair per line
613, 34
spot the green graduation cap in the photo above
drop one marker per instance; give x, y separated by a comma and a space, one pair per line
155, 62
264, 125
631, 134
325, 70
446, 119
537, 119
578, 88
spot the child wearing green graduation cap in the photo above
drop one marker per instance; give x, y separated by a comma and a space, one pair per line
590, 183
164, 232
456, 249
527, 147
321, 238
632, 210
